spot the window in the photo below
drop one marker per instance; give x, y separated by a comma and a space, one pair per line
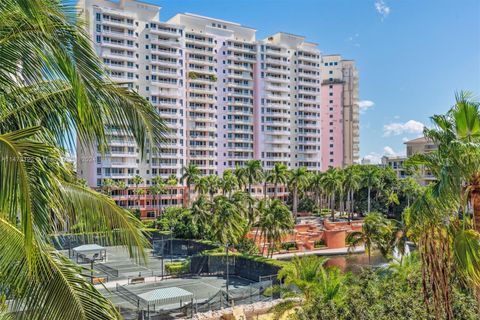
99, 17
99, 39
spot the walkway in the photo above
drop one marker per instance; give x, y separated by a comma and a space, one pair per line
320, 252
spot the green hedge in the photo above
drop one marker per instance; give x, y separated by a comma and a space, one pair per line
176, 268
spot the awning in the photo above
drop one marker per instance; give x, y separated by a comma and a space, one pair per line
166, 296
88, 248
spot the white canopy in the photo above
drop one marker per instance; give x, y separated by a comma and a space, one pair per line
166, 296
88, 248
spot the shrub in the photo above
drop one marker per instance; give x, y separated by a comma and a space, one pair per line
176, 268
319, 243
289, 246
148, 224
247, 246
192, 75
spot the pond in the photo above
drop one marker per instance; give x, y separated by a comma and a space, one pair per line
355, 262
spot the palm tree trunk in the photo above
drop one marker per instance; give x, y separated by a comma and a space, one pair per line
295, 203
265, 190
368, 207
353, 201
332, 199
475, 200
275, 191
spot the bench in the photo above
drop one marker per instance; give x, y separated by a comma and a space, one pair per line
98, 280
137, 280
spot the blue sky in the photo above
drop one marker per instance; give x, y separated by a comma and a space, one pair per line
412, 55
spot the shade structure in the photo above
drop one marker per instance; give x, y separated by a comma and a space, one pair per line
90, 252
166, 296
88, 248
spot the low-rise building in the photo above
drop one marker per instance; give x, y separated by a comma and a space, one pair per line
420, 145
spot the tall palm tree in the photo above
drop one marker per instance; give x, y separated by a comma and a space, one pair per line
332, 181
297, 180
278, 175
122, 186
316, 185
201, 186
157, 188
190, 175
213, 185
253, 174
54, 91
202, 213
454, 197
240, 174
228, 182
171, 182
274, 223
370, 179
373, 226
107, 186
228, 223
138, 180
353, 181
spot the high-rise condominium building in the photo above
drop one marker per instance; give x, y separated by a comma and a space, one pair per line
226, 96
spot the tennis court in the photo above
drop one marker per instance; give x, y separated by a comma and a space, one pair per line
202, 287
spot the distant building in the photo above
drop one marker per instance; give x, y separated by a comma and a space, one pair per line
225, 95
420, 145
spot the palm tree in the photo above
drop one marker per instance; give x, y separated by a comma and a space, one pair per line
410, 189
278, 175
107, 186
274, 223
201, 186
316, 185
228, 182
373, 225
228, 223
240, 174
157, 188
453, 198
253, 174
137, 180
201, 212
171, 183
54, 91
353, 181
297, 180
307, 279
122, 186
392, 199
213, 185
370, 178
190, 175
332, 181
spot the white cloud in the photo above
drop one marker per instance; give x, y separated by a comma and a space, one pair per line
382, 8
397, 128
388, 151
364, 105
372, 158
405, 139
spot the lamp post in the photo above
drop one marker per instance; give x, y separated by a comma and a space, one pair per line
226, 250
171, 243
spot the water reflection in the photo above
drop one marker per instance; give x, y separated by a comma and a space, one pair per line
355, 262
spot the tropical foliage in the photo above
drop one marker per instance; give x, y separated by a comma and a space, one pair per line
53, 93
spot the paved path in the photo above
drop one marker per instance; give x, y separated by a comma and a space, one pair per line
320, 252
